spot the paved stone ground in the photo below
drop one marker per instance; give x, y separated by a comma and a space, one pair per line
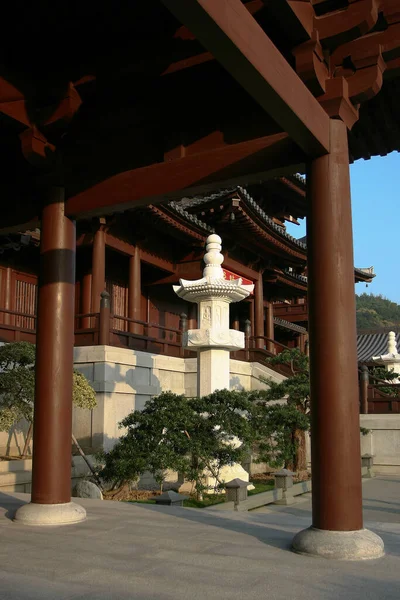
146, 552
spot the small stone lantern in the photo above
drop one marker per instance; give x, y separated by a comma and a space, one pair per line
170, 498
367, 460
284, 481
236, 491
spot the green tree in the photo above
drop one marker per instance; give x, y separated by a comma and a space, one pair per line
380, 375
194, 435
188, 435
375, 311
290, 420
17, 385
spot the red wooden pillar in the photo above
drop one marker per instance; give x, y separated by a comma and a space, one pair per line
259, 312
86, 299
270, 327
251, 315
192, 314
98, 269
235, 322
135, 292
335, 432
8, 300
333, 352
51, 472
364, 382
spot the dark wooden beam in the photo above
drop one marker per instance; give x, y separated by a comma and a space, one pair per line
254, 160
236, 40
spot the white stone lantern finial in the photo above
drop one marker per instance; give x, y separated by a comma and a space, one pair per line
392, 345
213, 258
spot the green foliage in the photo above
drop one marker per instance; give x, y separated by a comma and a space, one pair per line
376, 311
17, 385
380, 373
193, 435
188, 435
291, 419
83, 395
277, 440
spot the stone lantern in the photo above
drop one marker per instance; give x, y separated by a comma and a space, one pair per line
213, 340
390, 360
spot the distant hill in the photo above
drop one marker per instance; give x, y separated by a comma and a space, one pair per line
376, 311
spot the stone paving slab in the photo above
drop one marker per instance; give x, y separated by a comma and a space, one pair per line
149, 552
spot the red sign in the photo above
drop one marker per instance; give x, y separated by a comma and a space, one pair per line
230, 276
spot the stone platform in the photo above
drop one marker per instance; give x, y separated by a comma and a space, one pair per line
161, 553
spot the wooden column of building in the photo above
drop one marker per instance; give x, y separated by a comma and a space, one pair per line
251, 316
332, 329
235, 320
135, 292
98, 269
8, 296
51, 473
192, 316
300, 341
86, 299
269, 327
259, 312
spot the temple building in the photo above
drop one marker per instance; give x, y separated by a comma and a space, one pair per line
121, 141
137, 256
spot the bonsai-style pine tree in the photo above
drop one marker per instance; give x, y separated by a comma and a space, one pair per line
187, 435
291, 418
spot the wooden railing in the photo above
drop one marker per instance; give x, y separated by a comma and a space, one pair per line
262, 342
17, 326
149, 337
116, 330
382, 402
377, 396
267, 348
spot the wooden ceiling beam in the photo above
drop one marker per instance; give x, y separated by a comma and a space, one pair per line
254, 160
235, 39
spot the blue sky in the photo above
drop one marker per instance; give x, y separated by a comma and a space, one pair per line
375, 193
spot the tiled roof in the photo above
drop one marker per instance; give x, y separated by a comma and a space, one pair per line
373, 344
368, 271
199, 200
176, 207
288, 325
302, 278
300, 178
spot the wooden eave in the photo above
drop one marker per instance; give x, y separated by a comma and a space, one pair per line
264, 238
176, 222
291, 282
119, 117
363, 276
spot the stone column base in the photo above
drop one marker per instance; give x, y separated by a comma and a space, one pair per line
339, 545
67, 513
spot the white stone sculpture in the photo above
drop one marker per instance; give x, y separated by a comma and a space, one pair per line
213, 340
391, 360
